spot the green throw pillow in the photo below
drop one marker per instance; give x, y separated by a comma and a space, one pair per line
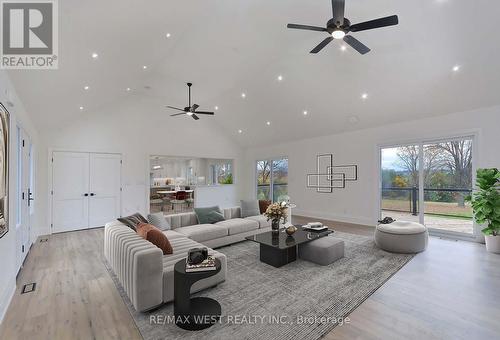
215, 216
202, 213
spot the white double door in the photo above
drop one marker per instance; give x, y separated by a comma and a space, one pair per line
86, 190
25, 181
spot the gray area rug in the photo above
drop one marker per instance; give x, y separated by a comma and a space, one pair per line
300, 300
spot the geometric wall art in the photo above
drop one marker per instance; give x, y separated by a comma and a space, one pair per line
329, 176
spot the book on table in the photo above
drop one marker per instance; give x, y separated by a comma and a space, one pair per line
315, 226
206, 265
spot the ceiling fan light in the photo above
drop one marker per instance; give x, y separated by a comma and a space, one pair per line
189, 113
338, 34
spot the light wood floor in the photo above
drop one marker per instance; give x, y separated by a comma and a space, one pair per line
451, 291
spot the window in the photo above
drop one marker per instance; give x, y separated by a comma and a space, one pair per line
272, 179
224, 173
221, 173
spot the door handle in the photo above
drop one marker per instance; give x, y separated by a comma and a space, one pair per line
85, 194
92, 194
30, 197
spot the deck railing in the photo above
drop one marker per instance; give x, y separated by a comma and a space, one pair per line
413, 195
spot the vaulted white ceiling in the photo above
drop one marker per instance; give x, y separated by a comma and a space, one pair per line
226, 47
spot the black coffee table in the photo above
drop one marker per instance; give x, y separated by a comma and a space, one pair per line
278, 249
193, 313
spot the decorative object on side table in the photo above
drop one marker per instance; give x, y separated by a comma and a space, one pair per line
291, 230
275, 213
485, 202
197, 255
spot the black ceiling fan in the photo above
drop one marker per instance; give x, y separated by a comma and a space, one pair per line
338, 27
190, 110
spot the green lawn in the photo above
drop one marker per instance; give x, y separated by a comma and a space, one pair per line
431, 208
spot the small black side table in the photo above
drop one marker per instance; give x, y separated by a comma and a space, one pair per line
193, 313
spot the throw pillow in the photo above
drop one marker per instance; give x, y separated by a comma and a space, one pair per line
215, 216
159, 221
155, 236
202, 213
133, 220
249, 208
263, 205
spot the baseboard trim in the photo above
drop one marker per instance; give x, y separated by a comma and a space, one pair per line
6, 299
334, 217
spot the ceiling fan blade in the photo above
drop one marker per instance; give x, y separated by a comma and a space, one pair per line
321, 45
356, 44
338, 7
177, 114
306, 27
195, 106
173, 107
204, 113
195, 117
377, 23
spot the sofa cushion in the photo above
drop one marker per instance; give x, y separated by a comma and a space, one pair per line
203, 232
202, 213
154, 235
238, 225
133, 220
159, 221
249, 208
261, 219
173, 234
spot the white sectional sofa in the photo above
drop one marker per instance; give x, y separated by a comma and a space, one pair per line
147, 276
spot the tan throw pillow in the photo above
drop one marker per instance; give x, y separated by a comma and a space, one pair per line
154, 235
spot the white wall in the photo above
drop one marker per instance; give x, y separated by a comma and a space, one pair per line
357, 202
18, 116
137, 128
224, 196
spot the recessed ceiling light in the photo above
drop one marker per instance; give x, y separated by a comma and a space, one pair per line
364, 96
128, 89
305, 112
168, 35
81, 108
216, 108
95, 55
280, 78
268, 123
456, 68
86, 87
243, 95
144, 67
343, 48
240, 131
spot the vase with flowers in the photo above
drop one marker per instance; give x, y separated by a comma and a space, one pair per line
275, 213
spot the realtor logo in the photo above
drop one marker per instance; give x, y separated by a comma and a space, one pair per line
29, 35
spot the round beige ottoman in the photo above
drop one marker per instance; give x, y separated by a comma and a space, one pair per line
402, 237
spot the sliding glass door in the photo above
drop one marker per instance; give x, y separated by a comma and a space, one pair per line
272, 179
447, 180
427, 182
400, 182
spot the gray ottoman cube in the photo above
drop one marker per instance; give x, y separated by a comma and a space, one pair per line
322, 251
402, 237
